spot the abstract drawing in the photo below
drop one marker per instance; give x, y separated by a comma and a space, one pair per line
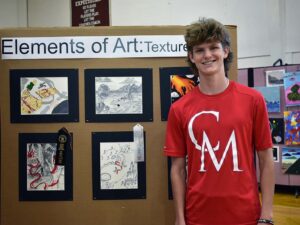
181, 85
42, 173
291, 88
277, 130
44, 95
118, 168
40, 178
271, 96
292, 127
175, 82
118, 95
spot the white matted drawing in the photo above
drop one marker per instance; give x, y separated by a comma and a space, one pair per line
118, 95
44, 95
42, 173
118, 169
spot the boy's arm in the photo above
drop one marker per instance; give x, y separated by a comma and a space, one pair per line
178, 178
266, 167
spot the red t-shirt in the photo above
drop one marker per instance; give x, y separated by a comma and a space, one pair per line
221, 182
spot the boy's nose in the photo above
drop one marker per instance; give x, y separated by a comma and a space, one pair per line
206, 53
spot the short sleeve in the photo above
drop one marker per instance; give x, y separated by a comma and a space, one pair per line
261, 130
175, 139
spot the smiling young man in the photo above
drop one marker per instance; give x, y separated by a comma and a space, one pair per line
218, 125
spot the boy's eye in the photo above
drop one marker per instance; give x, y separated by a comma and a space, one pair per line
199, 50
215, 47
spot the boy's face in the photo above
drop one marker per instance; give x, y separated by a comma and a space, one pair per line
209, 57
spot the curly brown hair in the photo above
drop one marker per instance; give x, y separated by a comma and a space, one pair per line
207, 30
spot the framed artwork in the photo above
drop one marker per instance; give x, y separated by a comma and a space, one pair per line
291, 88
291, 160
116, 174
276, 153
292, 127
277, 130
272, 98
118, 95
40, 179
274, 78
175, 82
44, 95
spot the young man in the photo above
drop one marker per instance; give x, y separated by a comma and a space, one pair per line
218, 125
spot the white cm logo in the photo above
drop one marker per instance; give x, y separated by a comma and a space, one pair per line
206, 145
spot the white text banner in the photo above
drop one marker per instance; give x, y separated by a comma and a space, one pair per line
93, 47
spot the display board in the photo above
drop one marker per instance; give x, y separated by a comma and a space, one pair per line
272, 77
151, 208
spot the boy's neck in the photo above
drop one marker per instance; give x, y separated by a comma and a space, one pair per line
211, 85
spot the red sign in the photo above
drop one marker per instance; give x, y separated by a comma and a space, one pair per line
90, 13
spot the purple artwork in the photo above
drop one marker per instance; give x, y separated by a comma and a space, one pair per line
291, 88
292, 127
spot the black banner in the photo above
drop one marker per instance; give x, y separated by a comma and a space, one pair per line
90, 13
63, 141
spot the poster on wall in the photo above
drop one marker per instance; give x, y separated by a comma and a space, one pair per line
291, 88
272, 98
116, 172
274, 78
292, 127
44, 95
291, 160
175, 82
118, 95
277, 130
40, 178
90, 13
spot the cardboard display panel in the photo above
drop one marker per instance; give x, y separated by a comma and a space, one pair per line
156, 208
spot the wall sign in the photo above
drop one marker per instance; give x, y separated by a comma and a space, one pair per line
90, 13
69, 47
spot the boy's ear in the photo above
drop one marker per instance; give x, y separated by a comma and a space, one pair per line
191, 57
226, 51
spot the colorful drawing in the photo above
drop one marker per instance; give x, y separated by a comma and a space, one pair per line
44, 95
277, 130
117, 166
290, 156
292, 127
274, 78
272, 97
42, 173
118, 95
276, 153
181, 85
291, 88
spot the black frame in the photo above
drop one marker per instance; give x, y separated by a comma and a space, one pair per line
165, 87
91, 74
277, 149
73, 103
51, 195
277, 132
114, 194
